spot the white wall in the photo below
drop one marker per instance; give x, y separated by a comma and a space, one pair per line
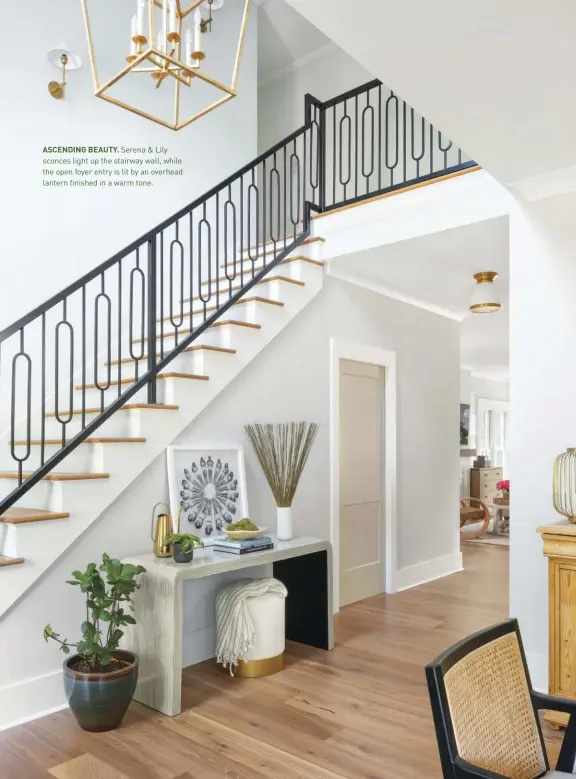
281, 100
289, 381
54, 235
487, 388
542, 381
470, 384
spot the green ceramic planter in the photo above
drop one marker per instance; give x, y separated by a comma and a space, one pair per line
99, 700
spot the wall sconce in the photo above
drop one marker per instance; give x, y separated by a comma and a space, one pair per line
62, 57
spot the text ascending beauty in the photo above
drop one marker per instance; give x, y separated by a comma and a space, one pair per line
104, 150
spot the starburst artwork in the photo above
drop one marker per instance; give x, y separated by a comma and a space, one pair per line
207, 488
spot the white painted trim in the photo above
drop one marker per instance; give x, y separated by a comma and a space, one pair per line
376, 286
347, 350
498, 378
550, 184
487, 404
301, 62
20, 701
427, 571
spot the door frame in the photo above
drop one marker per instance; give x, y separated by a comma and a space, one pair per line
348, 350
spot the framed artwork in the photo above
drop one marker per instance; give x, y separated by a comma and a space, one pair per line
207, 488
464, 424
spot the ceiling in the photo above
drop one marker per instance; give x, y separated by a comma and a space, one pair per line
436, 271
285, 37
496, 77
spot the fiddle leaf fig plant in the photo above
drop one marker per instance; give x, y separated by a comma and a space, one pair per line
108, 589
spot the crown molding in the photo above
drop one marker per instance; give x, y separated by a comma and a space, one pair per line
545, 185
389, 292
498, 378
301, 62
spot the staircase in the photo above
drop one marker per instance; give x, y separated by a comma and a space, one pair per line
96, 382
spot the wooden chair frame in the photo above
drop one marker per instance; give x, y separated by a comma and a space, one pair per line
486, 520
453, 766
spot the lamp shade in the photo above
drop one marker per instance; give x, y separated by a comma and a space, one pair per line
564, 484
55, 57
485, 295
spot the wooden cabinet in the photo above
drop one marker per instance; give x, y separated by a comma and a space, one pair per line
560, 549
483, 483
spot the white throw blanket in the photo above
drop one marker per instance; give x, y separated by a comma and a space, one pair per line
234, 625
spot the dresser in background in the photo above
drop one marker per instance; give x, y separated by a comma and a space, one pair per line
483, 483
560, 549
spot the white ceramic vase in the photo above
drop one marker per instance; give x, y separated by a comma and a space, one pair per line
284, 523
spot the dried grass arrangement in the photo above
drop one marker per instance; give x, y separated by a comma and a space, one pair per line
282, 451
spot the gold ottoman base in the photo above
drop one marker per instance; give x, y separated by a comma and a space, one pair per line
253, 669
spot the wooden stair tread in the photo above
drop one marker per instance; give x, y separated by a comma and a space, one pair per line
21, 516
56, 476
6, 561
236, 322
159, 356
226, 288
58, 441
131, 380
253, 299
127, 407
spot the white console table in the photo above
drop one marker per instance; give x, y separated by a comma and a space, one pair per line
303, 564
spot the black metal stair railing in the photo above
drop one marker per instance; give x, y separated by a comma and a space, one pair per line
74, 361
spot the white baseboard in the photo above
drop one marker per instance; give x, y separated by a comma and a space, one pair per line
30, 699
427, 571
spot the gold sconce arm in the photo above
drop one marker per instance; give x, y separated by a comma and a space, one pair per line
61, 57
56, 88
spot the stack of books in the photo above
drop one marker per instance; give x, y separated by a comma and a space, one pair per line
243, 547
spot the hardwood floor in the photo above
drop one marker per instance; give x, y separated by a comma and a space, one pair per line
359, 712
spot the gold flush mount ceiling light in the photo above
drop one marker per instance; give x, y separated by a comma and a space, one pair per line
170, 61
485, 296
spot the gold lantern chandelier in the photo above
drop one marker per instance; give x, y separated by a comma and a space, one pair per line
165, 50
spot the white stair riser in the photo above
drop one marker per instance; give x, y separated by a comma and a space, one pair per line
43, 495
282, 269
271, 289
93, 396
118, 425
312, 250
198, 362
80, 460
167, 331
292, 295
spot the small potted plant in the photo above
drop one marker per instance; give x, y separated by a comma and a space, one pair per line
183, 545
100, 679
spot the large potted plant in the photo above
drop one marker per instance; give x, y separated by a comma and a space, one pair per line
100, 679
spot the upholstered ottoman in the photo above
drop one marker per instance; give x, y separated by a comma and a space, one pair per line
251, 618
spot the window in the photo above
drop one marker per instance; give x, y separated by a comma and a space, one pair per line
493, 431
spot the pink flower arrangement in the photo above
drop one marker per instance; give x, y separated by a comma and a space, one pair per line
504, 485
